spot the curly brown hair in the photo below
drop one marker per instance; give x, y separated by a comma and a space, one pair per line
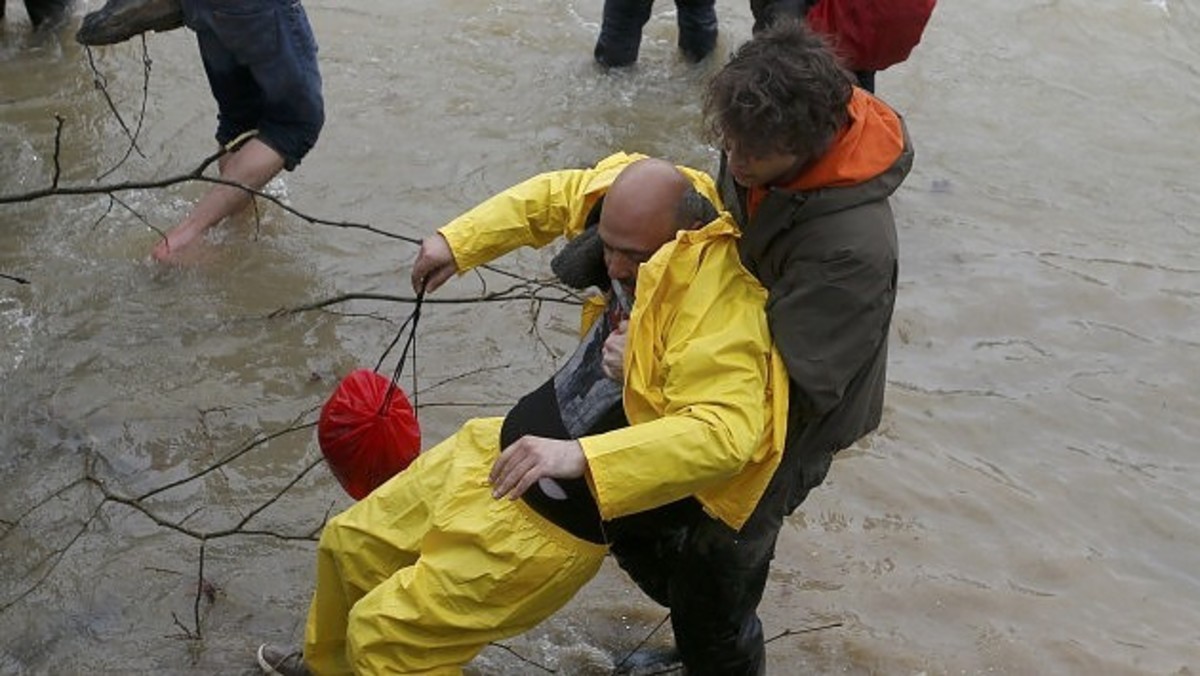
782, 91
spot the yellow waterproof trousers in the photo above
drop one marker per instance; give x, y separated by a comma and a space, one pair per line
422, 573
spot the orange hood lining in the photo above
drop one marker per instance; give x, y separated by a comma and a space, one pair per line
866, 148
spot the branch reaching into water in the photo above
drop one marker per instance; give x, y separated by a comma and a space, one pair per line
806, 630
133, 137
49, 563
101, 84
521, 657
58, 125
630, 654
534, 287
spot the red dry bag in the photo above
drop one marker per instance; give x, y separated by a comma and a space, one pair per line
871, 34
366, 434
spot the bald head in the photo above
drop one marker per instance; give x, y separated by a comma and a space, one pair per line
647, 193
641, 212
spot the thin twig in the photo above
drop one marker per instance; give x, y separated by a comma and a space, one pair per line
275, 498
146, 63
199, 588
54, 559
294, 427
807, 630
101, 83
186, 632
460, 376
515, 292
521, 657
141, 218
112, 199
618, 665
58, 127
35, 506
466, 404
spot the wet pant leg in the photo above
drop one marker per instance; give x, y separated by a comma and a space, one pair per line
260, 57
621, 32
712, 577
697, 21
714, 592
718, 632
648, 546
366, 545
708, 575
459, 570
866, 79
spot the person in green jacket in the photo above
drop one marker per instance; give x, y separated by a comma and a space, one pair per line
808, 165
494, 529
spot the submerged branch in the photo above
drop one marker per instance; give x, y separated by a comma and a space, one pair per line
50, 563
806, 630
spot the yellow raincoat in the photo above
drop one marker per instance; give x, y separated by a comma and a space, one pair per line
420, 575
538, 211
705, 393
691, 453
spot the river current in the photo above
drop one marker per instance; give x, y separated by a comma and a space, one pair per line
1029, 504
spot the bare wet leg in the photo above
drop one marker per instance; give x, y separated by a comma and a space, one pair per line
252, 165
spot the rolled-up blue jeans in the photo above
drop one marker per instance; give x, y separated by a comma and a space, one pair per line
261, 60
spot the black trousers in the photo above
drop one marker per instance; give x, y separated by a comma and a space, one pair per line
710, 576
43, 11
621, 30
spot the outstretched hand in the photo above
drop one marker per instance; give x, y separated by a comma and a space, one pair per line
434, 265
531, 458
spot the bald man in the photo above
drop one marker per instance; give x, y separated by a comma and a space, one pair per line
493, 530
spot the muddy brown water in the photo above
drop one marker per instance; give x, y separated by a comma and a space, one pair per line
1028, 505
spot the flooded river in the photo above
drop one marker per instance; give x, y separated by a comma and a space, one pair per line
1029, 504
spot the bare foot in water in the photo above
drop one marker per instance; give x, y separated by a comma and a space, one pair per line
252, 165
169, 247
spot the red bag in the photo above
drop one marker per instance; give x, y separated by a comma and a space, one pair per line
364, 443
871, 34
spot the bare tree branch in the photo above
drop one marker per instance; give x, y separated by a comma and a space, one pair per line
146, 63
58, 126
806, 630
101, 83
516, 292
521, 657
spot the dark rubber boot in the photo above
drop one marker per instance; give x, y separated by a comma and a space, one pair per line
621, 32
697, 28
